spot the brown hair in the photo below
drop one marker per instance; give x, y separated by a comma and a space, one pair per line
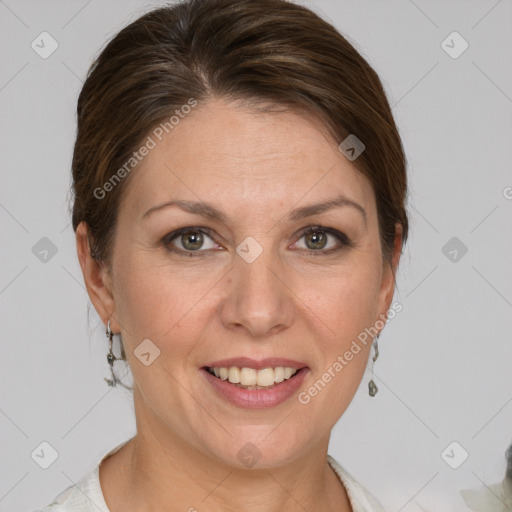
271, 52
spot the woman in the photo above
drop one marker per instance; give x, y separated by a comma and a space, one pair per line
239, 208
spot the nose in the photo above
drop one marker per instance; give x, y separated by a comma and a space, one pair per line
259, 300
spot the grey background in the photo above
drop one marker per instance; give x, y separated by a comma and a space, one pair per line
444, 371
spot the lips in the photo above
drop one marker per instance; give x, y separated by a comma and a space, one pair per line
269, 362
256, 398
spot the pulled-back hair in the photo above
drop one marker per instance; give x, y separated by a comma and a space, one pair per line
271, 53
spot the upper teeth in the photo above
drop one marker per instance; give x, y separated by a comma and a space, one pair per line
252, 377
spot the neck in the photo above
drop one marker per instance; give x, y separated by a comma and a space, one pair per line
157, 469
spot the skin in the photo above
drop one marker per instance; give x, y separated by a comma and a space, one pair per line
290, 302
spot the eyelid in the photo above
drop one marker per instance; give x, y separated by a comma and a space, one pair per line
343, 239
166, 240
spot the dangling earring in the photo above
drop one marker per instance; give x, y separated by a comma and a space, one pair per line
110, 357
372, 387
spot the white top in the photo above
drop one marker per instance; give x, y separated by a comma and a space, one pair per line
86, 495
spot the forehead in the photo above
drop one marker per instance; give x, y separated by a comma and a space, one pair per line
225, 151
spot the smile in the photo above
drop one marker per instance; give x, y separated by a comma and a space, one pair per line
250, 378
254, 389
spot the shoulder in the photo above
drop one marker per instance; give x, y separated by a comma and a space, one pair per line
84, 496
360, 498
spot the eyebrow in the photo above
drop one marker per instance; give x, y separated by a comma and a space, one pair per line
211, 212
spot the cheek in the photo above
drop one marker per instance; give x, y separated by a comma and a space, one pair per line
345, 301
344, 308
161, 303
142, 296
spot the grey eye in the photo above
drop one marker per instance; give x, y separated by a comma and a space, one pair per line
192, 240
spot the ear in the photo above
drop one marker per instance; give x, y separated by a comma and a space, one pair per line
97, 278
387, 288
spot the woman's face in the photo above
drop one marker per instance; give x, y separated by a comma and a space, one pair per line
252, 283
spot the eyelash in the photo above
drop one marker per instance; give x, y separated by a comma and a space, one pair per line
343, 240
